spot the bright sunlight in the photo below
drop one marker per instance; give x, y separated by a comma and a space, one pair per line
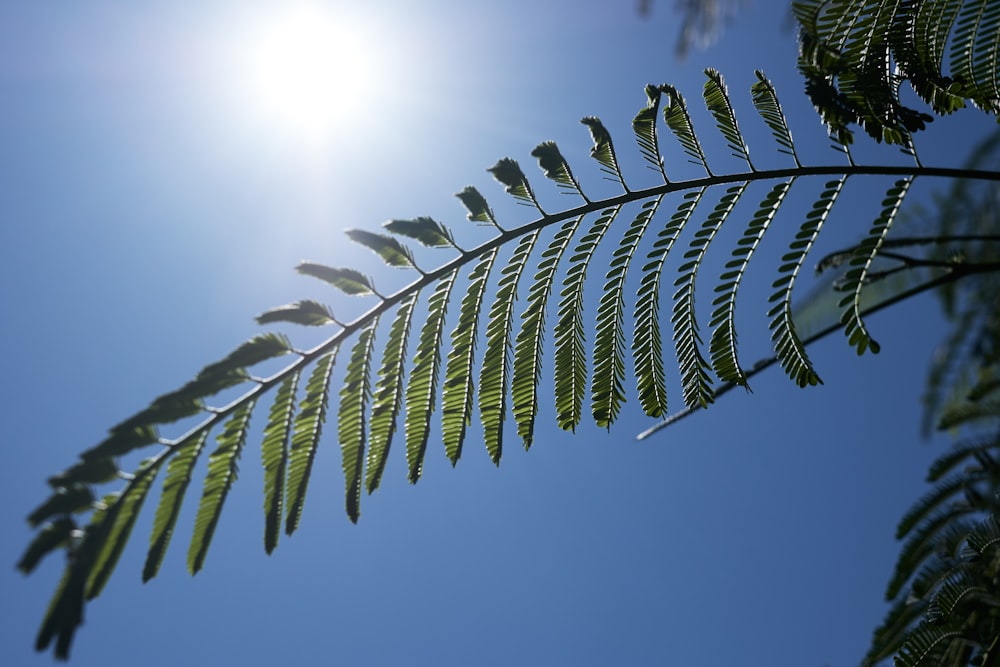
307, 72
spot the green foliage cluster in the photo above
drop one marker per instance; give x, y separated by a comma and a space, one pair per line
856, 54
431, 362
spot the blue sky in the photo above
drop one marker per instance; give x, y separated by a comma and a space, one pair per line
152, 203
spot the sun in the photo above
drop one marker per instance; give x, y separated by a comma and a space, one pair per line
308, 72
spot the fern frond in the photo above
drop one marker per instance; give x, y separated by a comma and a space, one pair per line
528, 344
930, 502
479, 210
511, 365
458, 390
556, 168
188, 401
609, 343
174, 487
347, 281
694, 368
966, 60
457, 393
427, 231
603, 149
352, 418
305, 436
953, 592
976, 448
64, 501
644, 126
222, 470
495, 371
717, 100
421, 390
388, 397
121, 514
723, 342
85, 471
647, 340
856, 278
964, 413
274, 456
305, 312
925, 647
53, 535
65, 612
570, 361
985, 536
515, 183
391, 251
787, 344
855, 56
676, 116
765, 99
923, 542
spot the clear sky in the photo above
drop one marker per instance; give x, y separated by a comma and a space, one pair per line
157, 185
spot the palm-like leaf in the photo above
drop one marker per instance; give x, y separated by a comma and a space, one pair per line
510, 371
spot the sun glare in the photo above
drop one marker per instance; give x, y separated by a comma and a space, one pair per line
308, 72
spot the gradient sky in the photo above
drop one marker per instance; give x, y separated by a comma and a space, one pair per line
151, 203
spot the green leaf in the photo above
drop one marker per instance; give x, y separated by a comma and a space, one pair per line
856, 278
65, 500
529, 341
647, 342
923, 543
121, 441
978, 449
306, 312
223, 374
603, 149
347, 281
274, 456
694, 369
305, 436
985, 536
421, 391
121, 514
222, 471
515, 183
254, 351
787, 344
87, 471
765, 99
555, 167
475, 203
427, 231
389, 249
717, 100
388, 398
609, 344
644, 127
352, 417
723, 322
675, 114
495, 371
457, 394
175, 486
932, 501
570, 359
51, 537
65, 612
